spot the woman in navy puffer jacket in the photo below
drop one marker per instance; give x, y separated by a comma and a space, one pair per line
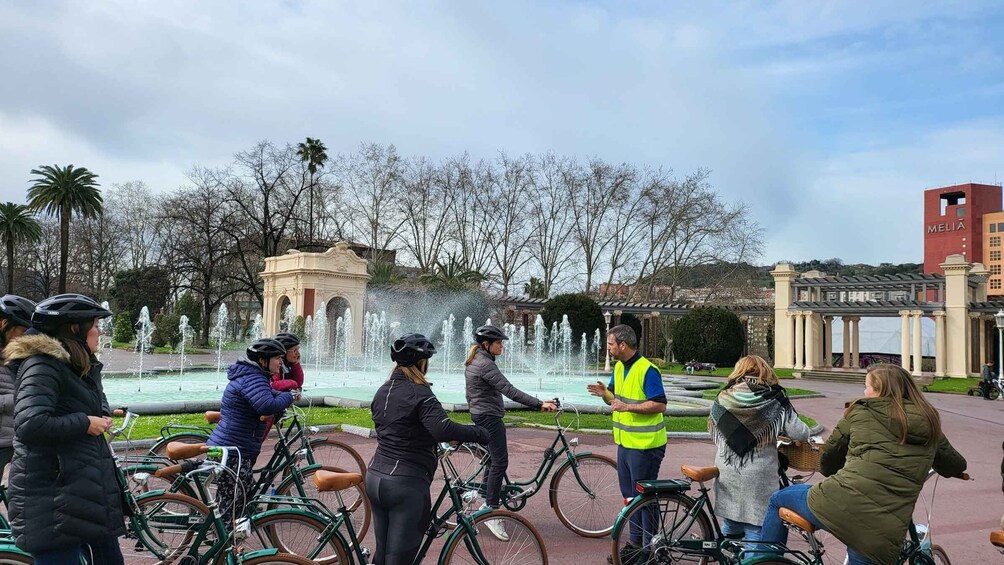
246, 399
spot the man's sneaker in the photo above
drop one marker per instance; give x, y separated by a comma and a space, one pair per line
496, 527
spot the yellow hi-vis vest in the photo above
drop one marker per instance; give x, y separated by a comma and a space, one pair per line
631, 430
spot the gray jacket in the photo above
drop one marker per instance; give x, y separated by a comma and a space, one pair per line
742, 494
8, 386
486, 385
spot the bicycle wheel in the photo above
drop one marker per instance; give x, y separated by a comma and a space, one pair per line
160, 448
333, 453
589, 513
15, 558
940, 555
277, 559
166, 526
355, 499
297, 534
524, 545
462, 469
994, 393
657, 525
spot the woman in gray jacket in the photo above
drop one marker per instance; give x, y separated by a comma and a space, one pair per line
749, 413
486, 385
15, 319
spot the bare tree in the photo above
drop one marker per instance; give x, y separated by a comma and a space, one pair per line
43, 261
509, 195
597, 190
551, 217
371, 183
626, 231
426, 203
133, 208
97, 249
474, 212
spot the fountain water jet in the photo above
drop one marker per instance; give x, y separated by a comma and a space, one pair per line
144, 333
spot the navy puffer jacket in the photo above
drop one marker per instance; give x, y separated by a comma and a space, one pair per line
247, 398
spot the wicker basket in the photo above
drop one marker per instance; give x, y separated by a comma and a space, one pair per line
802, 456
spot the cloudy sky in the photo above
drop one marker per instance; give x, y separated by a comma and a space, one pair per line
827, 119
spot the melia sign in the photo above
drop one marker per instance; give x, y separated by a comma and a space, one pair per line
946, 227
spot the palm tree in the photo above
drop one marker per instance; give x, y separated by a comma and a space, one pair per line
17, 225
452, 275
313, 153
63, 191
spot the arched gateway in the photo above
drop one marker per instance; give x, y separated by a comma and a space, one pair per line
331, 281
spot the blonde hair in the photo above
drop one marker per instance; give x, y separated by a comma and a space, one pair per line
470, 354
416, 372
753, 366
894, 383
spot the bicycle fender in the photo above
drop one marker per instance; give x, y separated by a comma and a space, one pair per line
551, 486
458, 531
619, 522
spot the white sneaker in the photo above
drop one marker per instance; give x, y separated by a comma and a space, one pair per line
496, 527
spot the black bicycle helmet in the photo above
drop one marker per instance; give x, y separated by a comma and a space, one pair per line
66, 309
489, 333
17, 309
410, 349
265, 348
287, 339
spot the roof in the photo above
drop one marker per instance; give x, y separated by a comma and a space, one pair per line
876, 282
869, 307
670, 308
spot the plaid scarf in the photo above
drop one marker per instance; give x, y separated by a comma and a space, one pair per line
745, 418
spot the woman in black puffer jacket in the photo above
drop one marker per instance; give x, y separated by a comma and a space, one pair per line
15, 319
64, 494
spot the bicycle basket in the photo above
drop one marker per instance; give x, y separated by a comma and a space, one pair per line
802, 456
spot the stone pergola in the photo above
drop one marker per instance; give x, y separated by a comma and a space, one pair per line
806, 306
333, 280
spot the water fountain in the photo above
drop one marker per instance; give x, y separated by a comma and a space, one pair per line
539, 341
219, 332
257, 328
449, 334
187, 334
583, 353
319, 337
144, 333
107, 327
288, 316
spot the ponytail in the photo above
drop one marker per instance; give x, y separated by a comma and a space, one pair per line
416, 372
471, 354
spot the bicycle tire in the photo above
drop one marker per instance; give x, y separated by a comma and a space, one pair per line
522, 536
14, 558
333, 453
167, 534
265, 532
599, 473
159, 449
277, 559
994, 393
675, 507
940, 555
358, 506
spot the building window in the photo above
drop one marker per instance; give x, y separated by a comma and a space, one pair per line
993, 228
960, 212
995, 255
995, 284
995, 241
1000, 227
995, 269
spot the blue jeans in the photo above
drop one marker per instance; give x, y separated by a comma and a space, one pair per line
635, 465
105, 551
795, 498
748, 532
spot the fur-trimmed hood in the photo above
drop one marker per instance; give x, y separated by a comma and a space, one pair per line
37, 344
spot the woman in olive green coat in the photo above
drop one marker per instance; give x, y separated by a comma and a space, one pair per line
875, 463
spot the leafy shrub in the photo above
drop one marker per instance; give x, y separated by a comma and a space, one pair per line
298, 324
124, 331
584, 314
166, 330
709, 335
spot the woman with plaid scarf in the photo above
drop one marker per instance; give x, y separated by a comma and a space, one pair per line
748, 415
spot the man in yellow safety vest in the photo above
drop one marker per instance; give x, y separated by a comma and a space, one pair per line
638, 400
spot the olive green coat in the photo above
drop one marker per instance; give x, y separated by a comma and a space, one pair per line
872, 481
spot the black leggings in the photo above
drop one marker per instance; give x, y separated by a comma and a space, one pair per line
402, 510
499, 451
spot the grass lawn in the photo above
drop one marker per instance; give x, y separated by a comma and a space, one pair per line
952, 385
149, 426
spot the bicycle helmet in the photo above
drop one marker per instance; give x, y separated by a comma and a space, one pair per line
265, 348
66, 309
288, 340
410, 349
17, 309
489, 333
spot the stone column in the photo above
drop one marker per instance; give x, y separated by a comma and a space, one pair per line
939, 344
904, 340
811, 341
957, 332
981, 336
855, 344
846, 361
799, 339
827, 341
918, 356
784, 331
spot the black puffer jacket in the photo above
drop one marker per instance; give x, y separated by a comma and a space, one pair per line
63, 487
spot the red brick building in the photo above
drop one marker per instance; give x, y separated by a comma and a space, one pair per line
953, 222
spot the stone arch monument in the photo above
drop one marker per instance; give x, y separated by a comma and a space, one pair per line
333, 281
